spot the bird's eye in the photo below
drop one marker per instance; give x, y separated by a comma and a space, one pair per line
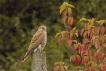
42, 28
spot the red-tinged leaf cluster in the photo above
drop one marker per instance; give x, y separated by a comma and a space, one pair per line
72, 34
56, 68
61, 35
98, 55
73, 49
69, 35
97, 43
59, 66
88, 52
87, 47
81, 49
60, 38
85, 59
69, 41
102, 30
87, 33
83, 41
70, 21
81, 32
75, 59
64, 17
66, 12
103, 66
96, 29
90, 69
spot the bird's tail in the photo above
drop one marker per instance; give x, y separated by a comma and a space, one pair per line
23, 60
26, 55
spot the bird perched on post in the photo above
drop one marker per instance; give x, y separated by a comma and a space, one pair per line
38, 41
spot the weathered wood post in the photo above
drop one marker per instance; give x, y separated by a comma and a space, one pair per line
39, 61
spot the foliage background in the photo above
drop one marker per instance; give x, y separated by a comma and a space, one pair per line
19, 20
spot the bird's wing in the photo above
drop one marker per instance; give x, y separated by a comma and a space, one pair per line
36, 40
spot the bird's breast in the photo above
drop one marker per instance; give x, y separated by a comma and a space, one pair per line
45, 40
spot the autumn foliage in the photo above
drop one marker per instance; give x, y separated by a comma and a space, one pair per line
81, 41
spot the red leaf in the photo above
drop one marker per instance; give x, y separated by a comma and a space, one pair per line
87, 46
96, 30
97, 43
85, 40
88, 52
82, 30
102, 30
61, 68
85, 59
73, 49
103, 66
64, 17
87, 69
70, 20
77, 59
94, 69
98, 55
69, 41
81, 51
91, 69
56, 68
91, 35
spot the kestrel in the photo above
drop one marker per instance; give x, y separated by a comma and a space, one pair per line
38, 41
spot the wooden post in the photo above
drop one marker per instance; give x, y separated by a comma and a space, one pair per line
39, 61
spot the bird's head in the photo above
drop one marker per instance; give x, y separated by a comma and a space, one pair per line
42, 28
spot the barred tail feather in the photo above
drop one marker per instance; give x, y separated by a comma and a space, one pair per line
27, 55
23, 60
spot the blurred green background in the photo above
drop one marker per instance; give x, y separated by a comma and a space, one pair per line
19, 20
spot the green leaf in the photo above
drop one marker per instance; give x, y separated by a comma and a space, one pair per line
64, 5
71, 35
61, 9
75, 41
92, 21
60, 63
69, 11
100, 22
82, 19
57, 34
78, 67
70, 5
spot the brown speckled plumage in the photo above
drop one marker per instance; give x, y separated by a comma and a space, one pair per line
39, 40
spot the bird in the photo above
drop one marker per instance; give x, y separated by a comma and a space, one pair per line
38, 41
